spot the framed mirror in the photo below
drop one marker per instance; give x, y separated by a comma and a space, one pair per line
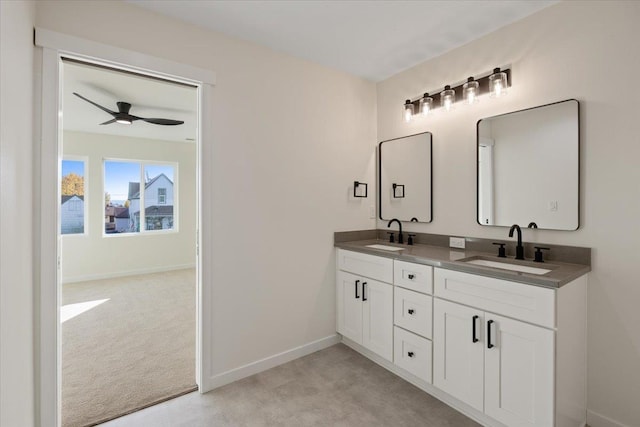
404, 184
528, 167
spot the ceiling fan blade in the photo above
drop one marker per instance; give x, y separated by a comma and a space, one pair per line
108, 122
97, 105
165, 122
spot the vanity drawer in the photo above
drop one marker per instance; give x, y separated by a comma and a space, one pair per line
412, 353
416, 277
372, 266
525, 302
413, 311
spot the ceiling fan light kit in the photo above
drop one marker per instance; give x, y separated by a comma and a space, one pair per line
122, 116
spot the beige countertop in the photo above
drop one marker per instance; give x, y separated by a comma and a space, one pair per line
449, 258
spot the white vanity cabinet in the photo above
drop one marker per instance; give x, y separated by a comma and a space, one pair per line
365, 304
499, 348
413, 317
502, 352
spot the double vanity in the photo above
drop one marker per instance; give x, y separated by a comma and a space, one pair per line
502, 341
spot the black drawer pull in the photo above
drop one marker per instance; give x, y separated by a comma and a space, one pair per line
489, 345
411, 311
473, 329
410, 354
411, 276
364, 298
357, 296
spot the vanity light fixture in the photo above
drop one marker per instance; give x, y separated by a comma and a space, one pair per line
447, 98
426, 104
470, 91
494, 83
407, 111
498, 83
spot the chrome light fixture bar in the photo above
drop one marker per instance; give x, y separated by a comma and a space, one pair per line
494, 83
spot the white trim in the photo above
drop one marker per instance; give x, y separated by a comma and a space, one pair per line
136, 272
55, 46
49, 355
272, 361
122, 58
204, 239
425, 386
597, 420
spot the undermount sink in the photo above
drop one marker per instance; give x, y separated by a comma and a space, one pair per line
385, 247
487, 262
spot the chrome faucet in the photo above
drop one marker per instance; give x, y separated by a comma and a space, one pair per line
400, 238
519, 247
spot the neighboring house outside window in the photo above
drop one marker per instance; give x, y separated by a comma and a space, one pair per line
72, 215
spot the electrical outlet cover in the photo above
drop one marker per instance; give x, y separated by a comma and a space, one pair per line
456, 242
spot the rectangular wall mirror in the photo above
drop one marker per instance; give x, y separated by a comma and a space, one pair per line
528, 167
404, 186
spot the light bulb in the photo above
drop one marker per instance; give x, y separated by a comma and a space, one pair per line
407, 111
498, 83
447, 98
426, 104
470, 90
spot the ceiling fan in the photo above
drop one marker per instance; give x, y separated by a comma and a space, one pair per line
122, 115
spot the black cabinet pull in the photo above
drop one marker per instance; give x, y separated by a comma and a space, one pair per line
411, 311
364, 298
489, 345
411, 276
473, 328
357, 296
410, 354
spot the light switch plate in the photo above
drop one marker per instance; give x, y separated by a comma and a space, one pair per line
456, 242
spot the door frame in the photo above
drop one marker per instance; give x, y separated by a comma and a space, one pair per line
53, 47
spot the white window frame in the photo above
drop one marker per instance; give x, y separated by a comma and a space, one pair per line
143, 220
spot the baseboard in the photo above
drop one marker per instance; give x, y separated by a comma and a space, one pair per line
112, 275
268, 363
459, 406
596, 420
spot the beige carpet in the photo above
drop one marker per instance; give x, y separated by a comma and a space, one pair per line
131, 351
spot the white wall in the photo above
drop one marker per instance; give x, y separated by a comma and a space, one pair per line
583, 50
16, 204
290, 137
93, 255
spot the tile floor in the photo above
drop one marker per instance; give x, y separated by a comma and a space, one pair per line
333, 387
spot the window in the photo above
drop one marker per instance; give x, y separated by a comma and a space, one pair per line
132, 209
72, 189
162, 196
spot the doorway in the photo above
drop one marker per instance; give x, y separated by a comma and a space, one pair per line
52, 48
128, 242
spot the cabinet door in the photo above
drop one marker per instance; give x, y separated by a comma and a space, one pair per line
349, 295
519, 372
377, 317
458, 356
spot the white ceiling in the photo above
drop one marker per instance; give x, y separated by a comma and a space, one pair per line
371, 39
149, 98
